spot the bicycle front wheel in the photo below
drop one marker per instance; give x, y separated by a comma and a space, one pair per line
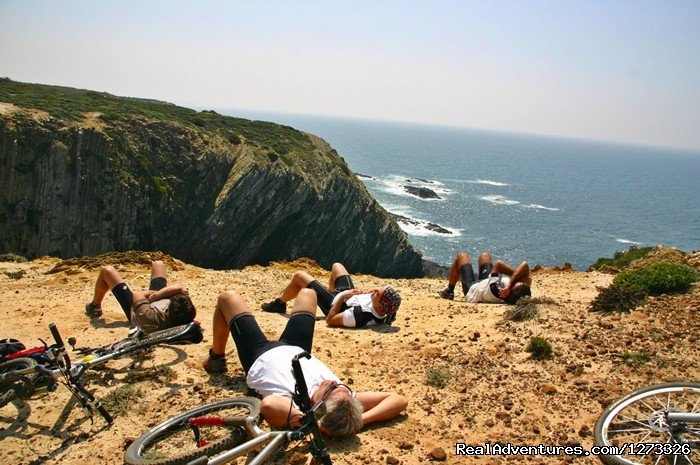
172, 442
638, 423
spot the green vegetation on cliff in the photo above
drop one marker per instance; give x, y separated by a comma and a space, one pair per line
70, 104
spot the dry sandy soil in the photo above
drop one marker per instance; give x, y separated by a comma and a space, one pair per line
495, 392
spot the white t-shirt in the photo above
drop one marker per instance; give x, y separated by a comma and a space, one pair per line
481, 291
271, 374
359, 303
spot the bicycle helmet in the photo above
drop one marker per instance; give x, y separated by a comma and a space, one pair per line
10, 346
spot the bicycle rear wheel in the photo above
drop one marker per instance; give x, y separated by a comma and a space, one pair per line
639, 418
172, 441
20, 386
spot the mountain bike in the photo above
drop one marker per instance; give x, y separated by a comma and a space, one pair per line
654, 425
39, 370
233, 431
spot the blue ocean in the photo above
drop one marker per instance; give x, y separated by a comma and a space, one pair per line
543, 199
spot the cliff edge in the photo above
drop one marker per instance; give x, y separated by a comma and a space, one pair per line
83, 172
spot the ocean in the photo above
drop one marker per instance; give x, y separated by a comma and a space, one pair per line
546, 200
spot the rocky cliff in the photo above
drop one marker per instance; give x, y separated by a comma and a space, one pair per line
83, 173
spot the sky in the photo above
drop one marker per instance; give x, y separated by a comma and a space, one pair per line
620, 70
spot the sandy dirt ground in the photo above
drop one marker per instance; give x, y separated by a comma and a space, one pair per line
495, 392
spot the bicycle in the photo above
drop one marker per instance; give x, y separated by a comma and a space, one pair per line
657, 424
237, 430
39, 370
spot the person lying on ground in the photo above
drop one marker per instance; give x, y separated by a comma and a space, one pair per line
341, 303
268, 368
497, 283
159, 307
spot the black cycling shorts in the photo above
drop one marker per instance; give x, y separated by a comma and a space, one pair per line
251, 342
325, 297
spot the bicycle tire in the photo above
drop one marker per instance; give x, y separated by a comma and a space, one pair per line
647, 422
130, 344
9, 389
141, 452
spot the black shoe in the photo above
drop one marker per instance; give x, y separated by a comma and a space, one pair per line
215, 364
447, 294
93, 310
276, 306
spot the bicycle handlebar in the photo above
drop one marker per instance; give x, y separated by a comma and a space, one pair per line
56, 335
301, 397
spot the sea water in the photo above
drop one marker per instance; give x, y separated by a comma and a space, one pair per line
543, 199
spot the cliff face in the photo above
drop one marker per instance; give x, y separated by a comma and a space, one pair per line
220, 192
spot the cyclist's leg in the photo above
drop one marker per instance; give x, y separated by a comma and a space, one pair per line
300, 327
159, 276
233, 315
300, 280
107, 279
485, 265
340, 278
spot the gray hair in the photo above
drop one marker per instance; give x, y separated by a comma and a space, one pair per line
343, 416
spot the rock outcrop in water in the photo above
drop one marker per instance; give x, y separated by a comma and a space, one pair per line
422, 192
83, 173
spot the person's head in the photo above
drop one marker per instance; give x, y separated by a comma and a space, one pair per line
181, 310
518, 291
343, 412
386, 302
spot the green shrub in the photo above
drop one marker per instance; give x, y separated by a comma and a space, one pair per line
539, 348
437, 377
617, 298
622, 259
14, 274
12, 257
635, 359
659, 278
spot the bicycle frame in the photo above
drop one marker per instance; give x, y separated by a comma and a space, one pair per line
270, 441
57, 356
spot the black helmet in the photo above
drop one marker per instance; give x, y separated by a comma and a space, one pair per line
10, 346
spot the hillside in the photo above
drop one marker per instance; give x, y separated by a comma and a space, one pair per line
494, 391
84, 172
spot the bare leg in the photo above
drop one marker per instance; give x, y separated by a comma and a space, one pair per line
299, 281
106, 280
484, 258
461, 259
229, 305
158, 270
306, 302
337, 270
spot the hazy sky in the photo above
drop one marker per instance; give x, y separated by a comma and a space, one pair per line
617, 70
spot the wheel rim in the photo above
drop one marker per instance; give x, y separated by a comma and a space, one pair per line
643, 419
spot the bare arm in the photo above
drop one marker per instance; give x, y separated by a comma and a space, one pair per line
502, 267
380, 406
276, 410
164, 293
335, 317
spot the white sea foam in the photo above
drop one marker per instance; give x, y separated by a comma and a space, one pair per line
419, 227
394, 184
627, 241
541, 207
499, 199
489, 182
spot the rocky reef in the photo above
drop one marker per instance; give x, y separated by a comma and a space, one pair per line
82, 173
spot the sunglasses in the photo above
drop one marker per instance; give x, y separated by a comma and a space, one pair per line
332, 387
